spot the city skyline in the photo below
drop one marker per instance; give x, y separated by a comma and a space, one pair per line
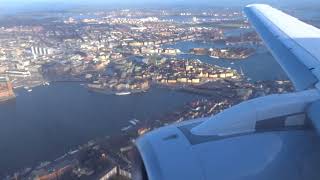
18, 4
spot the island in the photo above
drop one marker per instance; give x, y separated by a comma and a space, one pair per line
135, 77
233, 53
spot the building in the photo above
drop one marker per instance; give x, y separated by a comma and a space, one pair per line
6, 90
182, 80
40, 51
142, 131
195, 81
55, 172
18, 73
116, 171
111, 173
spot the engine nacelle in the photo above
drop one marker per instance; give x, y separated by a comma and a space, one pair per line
265, 138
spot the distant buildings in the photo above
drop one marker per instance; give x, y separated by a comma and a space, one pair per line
18, 73
226, 53
40, 51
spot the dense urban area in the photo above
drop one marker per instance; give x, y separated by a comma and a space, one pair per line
124, 52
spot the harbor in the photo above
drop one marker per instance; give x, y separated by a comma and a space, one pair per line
34, 119
85, 87
234, 53
111, 138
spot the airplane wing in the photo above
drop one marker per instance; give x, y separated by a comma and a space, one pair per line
272, 137
293, 43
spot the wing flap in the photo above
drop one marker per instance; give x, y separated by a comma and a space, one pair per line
293, 43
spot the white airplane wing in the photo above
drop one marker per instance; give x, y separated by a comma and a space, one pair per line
272, 137
294, 44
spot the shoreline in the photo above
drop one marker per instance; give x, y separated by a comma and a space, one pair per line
73, 151
58, 157
7, 99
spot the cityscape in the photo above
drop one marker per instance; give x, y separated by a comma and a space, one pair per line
202, 55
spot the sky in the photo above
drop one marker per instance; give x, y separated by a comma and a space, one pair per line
156, 1
20, 5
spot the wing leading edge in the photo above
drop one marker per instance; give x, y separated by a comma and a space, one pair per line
293, 43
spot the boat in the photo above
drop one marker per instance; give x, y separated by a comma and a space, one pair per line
43, 164
215, 57
29, 90
73, 152
241, 72
45, 83
60, 158
232, 63
133, 122
126, 128
123, 93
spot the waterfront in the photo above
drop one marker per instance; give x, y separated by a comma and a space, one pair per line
260, 66
51, 120
139, 69
44, 124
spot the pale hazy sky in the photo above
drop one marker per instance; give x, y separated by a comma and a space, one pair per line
154, 1
11, 5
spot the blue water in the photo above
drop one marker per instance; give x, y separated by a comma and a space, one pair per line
49, 121
260, 66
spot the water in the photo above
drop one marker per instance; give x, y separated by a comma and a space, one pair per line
51, 120
260, 66
46, 123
